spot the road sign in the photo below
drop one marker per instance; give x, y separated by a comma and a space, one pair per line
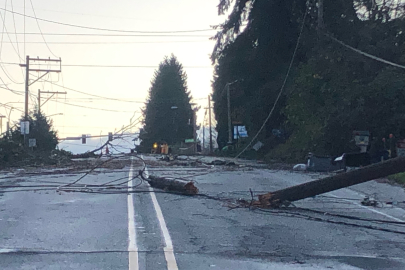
401, 148
25, 127
239, 132
32, 142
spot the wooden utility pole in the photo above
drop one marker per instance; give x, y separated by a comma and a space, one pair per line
320, 16
209, 116
171, 184
203, 128
46, 92
195, 130
320, 186
230, 140
27, 79
27, 75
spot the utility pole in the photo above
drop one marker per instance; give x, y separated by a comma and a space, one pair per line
320, 15
27, 79
46, 92
229, 111
229, 115
203, 138
195, 130
334, 182
1, 123
209, 116
27, 75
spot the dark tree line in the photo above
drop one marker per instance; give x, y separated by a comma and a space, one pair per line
331, 90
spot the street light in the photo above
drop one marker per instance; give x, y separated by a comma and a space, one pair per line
9, 114
174, 108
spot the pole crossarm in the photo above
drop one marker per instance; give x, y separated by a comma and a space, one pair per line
45, 70
47, 92
52, 92
45, 60
46, 100
38, 78
27, 77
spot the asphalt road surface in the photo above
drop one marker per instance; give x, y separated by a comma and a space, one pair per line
46, 228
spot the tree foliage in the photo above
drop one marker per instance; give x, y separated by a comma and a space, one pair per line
14, 147
168, 112
331, 90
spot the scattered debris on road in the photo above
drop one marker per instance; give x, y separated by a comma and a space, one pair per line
369, 202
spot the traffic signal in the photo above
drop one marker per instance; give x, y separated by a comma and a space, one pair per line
83, 139
110, 136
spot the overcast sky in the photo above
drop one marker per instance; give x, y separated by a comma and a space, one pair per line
98, 47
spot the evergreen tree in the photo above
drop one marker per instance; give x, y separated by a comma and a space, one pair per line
331, 90
14, 149
40, 128
168, 115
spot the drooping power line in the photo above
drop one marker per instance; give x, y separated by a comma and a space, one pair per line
364, 53
106, 29
39, 28
282, 87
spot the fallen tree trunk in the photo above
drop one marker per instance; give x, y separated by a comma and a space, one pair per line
313, 188
173, 184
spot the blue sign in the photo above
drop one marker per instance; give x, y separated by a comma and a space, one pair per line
239, 132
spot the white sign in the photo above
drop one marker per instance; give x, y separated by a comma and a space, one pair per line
32, 142
258, 145
25, 127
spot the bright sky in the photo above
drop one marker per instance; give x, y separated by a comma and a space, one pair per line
103, 48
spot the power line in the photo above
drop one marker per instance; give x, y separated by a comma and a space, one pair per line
110, 35
15, 32
6, 31
282, 87
84, 93
24, 26
39, 28
1, 47
11, 107
106, 29
86, 107
16, 92
90, 108
108, 66
118, 66
102, 16
103, 97
364, 53
112, 43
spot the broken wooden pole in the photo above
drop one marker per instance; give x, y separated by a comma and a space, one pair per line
173, 184
327, 184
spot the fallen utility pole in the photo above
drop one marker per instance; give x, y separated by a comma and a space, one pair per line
171, 184
320, 186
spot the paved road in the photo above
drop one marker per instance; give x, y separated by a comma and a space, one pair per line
48, 229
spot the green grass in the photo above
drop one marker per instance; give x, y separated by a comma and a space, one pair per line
398, 178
